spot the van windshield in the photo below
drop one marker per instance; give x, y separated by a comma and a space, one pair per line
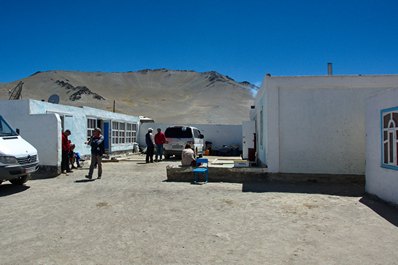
5, 129
178, 132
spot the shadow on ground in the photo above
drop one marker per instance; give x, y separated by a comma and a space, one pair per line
388, 212
172, 159
9, 189
84, 180
346, 189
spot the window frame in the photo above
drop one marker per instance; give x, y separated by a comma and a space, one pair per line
90, 129
391, 139
123, 132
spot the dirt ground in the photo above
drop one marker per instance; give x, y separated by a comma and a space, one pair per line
133, 216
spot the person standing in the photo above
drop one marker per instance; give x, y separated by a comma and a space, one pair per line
150, 146
160, 139
97, 150
65, 152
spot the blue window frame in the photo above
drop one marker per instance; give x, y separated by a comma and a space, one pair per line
389, 138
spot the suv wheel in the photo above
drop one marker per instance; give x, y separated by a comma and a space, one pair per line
20, 180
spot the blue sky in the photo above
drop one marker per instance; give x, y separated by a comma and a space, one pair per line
241, 39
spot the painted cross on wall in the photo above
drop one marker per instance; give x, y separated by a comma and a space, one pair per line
389, 138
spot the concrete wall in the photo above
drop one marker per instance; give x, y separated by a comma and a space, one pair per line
380, 181
75, 119
315, 124
261, 120
219, 135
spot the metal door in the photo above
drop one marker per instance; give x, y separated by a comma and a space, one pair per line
106, 137
248, 137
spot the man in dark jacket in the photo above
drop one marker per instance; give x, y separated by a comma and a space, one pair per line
97, 150
150, 146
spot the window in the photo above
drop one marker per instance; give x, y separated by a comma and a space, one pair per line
91, 125
389, 138
124, 132
5, 129
196, 133
131, 133
178, 132
115, 132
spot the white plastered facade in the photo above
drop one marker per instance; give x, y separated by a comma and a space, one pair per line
381, 178
315, 124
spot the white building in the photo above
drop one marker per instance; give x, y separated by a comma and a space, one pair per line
382, 145
315, 124
41, 124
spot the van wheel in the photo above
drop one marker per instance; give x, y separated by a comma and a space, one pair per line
20, 180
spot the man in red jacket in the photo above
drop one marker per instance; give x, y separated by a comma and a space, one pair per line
160, 139
65, 152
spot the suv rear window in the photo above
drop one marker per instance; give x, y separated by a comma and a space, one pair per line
178, 132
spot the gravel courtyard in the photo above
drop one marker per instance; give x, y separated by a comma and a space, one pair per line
133, 216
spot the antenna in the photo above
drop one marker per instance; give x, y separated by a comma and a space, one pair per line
53, 99
16, 92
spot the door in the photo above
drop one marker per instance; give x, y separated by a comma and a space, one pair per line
106, 136
248, 137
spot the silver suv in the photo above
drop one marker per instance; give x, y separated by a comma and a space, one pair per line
178, 136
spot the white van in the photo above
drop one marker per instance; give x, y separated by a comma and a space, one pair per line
178, 136
18, 158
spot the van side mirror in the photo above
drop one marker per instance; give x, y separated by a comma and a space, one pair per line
17, 131
201, 136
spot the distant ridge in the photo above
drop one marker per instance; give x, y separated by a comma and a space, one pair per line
170, 96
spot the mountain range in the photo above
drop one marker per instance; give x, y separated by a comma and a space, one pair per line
168, 96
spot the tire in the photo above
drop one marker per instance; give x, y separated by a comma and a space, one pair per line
20, 180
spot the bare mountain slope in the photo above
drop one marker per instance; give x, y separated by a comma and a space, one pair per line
168, 96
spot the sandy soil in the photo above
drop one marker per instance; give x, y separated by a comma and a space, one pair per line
132, 216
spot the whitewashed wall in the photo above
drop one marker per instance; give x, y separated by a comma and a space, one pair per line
76, 122
50, 128
107, 115
315, 124
380, 181
40, 124
219, 135
49, 151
